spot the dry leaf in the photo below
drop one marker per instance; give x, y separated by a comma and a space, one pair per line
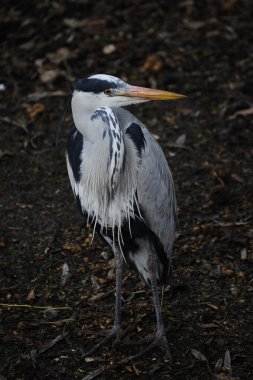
228, 224
31, 295
96, 297
50, 75
109, 49
2, 87
74, 23
218, 365
94, 281
244, 112
227, 363
226, 272
89, 360
106, 255
237, 178
111, 274
212, 33
194, 25
60, 55
2, 242
103, 280
129, 369
234, 290
35, 110
207, 325
35, 96
244, 254
181, 139
229, 5
153, 63
65, 274
27, 45
198, 355
137, 372
5, 153
157, 137
212, 306
75, 247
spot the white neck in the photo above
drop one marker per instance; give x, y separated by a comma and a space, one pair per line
82, 110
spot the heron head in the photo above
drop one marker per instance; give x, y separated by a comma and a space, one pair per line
106, 90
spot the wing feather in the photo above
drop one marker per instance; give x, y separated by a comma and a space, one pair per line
156, 193
155, 186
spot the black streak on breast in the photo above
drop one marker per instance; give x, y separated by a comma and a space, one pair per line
74, 149
101, 112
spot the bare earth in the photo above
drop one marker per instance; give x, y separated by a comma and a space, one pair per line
199, 48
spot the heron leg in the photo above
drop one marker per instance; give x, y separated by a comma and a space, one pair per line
115, 332
119, 268
160, 338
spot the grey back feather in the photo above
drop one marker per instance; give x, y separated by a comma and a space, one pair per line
155, 186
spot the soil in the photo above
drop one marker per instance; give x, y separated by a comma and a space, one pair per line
202, 49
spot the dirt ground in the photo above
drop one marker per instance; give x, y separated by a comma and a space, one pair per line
202, 49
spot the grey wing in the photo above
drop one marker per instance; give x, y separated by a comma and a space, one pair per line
155, 186
156, 193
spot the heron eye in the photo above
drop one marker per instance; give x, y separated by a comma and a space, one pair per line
107, 92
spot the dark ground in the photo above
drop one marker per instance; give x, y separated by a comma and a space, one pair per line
200, 48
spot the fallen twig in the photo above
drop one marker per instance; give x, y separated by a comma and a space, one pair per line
35, 307
178, 146
35, 354
58, 322
8, 288
94, 374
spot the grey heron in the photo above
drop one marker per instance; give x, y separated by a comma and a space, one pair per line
123, 185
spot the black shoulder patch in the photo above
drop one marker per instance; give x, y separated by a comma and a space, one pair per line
74, 149
94, 85
135, 133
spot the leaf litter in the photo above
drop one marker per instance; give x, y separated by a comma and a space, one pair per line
208, 304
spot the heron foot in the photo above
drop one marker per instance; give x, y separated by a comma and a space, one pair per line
115, 333
160, 341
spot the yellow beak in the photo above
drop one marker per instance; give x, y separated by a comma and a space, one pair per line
149, 93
